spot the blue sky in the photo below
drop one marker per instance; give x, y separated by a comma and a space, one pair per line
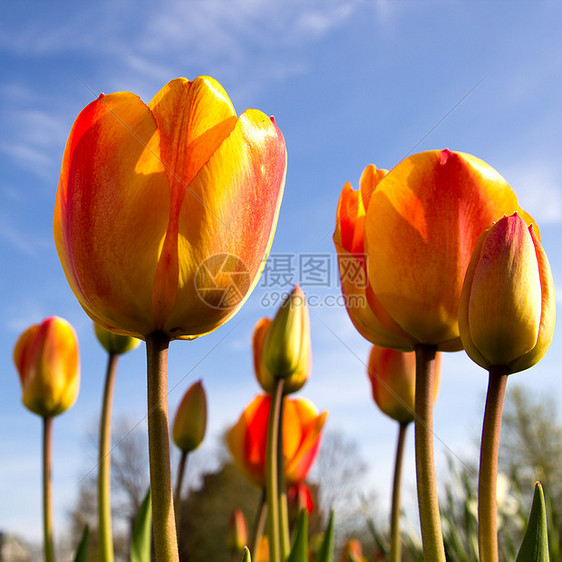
350, 82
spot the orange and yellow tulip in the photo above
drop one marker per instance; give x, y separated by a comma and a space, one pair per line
507, 308
302, 431
393, 381
418, 226
46, 357
164, 212
237, 532
190, 422
282, 347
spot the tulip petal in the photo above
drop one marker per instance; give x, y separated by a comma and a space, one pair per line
111, 211
236, 219
422, 224
505, 300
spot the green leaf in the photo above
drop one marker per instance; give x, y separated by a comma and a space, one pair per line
534, 547
142, 532
246, 556
327, 548
299, 551
82, 549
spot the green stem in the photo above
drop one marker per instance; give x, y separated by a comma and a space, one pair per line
259, 523
104, 462
179, 484
395, 542
428, 504
271, 473
165, 538
47, 492
487, 480
283, 507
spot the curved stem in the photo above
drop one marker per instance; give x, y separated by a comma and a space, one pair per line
259, 523
430, 521
47, 492
104, 464
487, 480
395, 542
179, 484
165, 538
271, 473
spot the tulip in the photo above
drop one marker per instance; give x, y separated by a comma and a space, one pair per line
282, 346
507, 307
302, 427
286, 349
393, 381
191, 419
46, 357
164, 212
421, 226
115, 344
506, 321
237, 532
163, 216
299, 497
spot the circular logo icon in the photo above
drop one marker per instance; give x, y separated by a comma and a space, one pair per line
222, 281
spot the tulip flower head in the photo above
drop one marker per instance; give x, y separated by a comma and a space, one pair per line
282, 347
115, 343
393, 381
164, 212
302, 428
507, 307
46, 357
421, 222
190, 422
237, 532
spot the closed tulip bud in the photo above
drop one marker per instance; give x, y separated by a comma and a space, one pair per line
46, 357
265, 379
190, 422
352, 552
286, 348
165, 211
237, 532
302, 432
393, 381
115, 344
299, 497
507, 307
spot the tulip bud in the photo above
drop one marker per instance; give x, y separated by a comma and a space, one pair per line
507, 306
46, 357
191, 419
115, 343
352, 551
299, 497
237, 532
265, 379
286, 349
393, 379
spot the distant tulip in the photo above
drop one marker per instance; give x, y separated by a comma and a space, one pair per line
393, 381
302, 427
115, 343
164, 212
507, 308
190, 423
282, 346
46, 357
421, 223
299, 497
237, 532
